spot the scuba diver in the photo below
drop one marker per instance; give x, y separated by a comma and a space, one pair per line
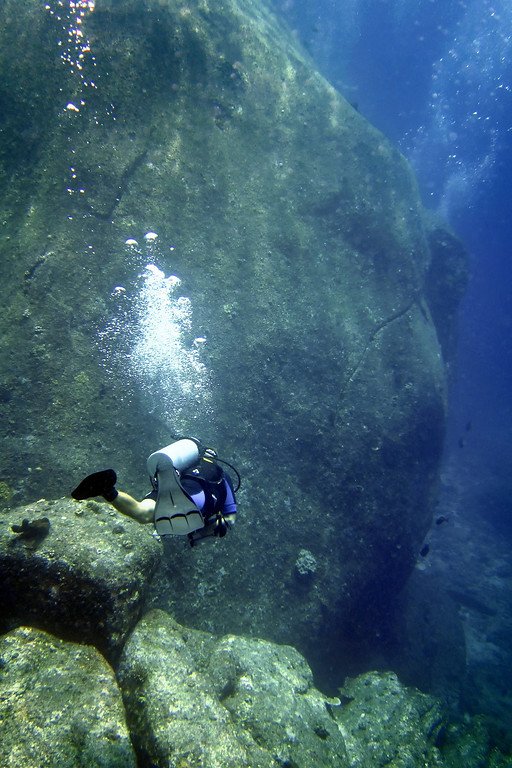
192, 495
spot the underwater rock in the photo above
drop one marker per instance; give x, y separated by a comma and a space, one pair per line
428, 648
85, 580
305, 565
223, 702
471, 743
59, 705
386, 724
300, 239
228, 701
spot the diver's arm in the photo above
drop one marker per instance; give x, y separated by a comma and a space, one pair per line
141, 511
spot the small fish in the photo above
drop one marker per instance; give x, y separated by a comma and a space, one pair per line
425, 550
441, 519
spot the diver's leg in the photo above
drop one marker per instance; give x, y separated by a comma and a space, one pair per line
142, 511
103, 484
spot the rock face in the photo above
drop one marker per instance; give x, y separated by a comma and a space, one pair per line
86, 580
445, 284
59, 705
429, 647
223, 701
192, 698
298, 233
386, 724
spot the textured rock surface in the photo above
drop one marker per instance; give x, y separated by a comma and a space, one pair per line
299, 235
446, 283
214, 701
223, 701
384, 723
470, 745
196, 700
59, 705
86, 580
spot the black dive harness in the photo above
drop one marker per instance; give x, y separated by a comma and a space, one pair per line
174, 471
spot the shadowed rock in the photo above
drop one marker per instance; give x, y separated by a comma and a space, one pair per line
87, 578
59, 705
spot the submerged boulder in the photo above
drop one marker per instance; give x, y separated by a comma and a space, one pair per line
59, 705
386, 724
85, 579
223, 702
446, 282
300, 239
193, 698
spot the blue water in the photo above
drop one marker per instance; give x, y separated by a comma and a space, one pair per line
436, 77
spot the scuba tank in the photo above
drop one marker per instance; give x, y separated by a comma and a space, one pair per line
181, 454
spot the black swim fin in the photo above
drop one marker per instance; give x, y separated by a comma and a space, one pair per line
98, 484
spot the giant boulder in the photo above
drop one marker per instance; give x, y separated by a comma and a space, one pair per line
299, 235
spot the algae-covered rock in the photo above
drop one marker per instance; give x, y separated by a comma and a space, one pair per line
236, 701
84, 579
469, 744
227, 701
59, 705
298, 234
194, 699
385, 724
